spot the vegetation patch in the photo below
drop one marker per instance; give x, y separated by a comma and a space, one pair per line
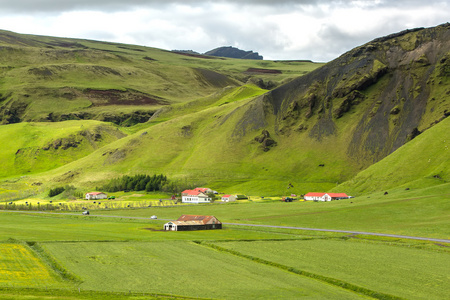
20, 268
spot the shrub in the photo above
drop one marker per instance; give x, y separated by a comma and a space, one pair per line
55, 191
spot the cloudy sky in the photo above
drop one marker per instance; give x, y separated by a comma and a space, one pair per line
319, 30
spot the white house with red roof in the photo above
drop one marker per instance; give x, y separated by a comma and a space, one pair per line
96, 196
325, 196
194, 196
228, 198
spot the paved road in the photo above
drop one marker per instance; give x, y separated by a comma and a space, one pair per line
347, 231
259, 225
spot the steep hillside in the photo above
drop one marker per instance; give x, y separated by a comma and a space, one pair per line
391, 89
423, 162
50, 79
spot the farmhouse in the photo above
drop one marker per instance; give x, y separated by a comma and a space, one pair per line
96, 196
228, 198
325, 196
193, 196
193, 222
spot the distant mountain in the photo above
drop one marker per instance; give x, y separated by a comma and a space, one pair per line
232, 52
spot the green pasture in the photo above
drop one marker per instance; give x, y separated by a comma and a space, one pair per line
398, 270
421, 212
113, 255
67, 227
182, 268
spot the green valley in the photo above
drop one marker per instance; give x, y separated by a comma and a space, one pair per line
373, 123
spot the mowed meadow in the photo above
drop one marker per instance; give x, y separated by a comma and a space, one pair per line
123, 254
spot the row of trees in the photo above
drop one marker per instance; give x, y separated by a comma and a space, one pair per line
140, 182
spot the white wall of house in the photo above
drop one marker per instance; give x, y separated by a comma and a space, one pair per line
170, 226
229, 198
325, 197
201, 198
96, 196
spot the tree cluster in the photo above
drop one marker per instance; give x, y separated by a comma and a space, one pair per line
138, 182
55, 191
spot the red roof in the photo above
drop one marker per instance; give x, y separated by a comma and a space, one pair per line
203, 190
338, 195
332, 195
202, 219
226, 196
191, 193
95, 193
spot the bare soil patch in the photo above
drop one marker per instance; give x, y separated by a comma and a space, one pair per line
117, 97
262, 71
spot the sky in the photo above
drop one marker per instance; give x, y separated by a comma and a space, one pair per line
317, 30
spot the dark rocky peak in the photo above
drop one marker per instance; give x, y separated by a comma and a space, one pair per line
232, 52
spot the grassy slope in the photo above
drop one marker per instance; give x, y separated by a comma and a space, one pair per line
199, 141
50, 68
21, 150
422, 162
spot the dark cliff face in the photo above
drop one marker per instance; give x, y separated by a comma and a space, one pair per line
398, 85
232, 52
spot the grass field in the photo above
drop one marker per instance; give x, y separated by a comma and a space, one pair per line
182, 268
380, 266
421, 212
122, 256
89, 257
20, 267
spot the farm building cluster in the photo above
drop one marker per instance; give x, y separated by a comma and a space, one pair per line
202, 195
193, 222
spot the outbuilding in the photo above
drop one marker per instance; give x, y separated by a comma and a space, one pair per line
193, 222
228, 198
96, 196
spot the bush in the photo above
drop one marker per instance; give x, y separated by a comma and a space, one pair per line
55, 191
140, 182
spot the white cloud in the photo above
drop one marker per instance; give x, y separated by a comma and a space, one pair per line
319, 30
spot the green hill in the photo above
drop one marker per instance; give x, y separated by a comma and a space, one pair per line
423, 162
214, 122
55, 79
35, 147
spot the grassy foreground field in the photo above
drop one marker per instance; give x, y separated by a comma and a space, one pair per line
122, 254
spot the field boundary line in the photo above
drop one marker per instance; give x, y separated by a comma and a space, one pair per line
47, 258
336, 282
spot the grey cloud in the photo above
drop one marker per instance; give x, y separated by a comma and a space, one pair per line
24, 6
253, 32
